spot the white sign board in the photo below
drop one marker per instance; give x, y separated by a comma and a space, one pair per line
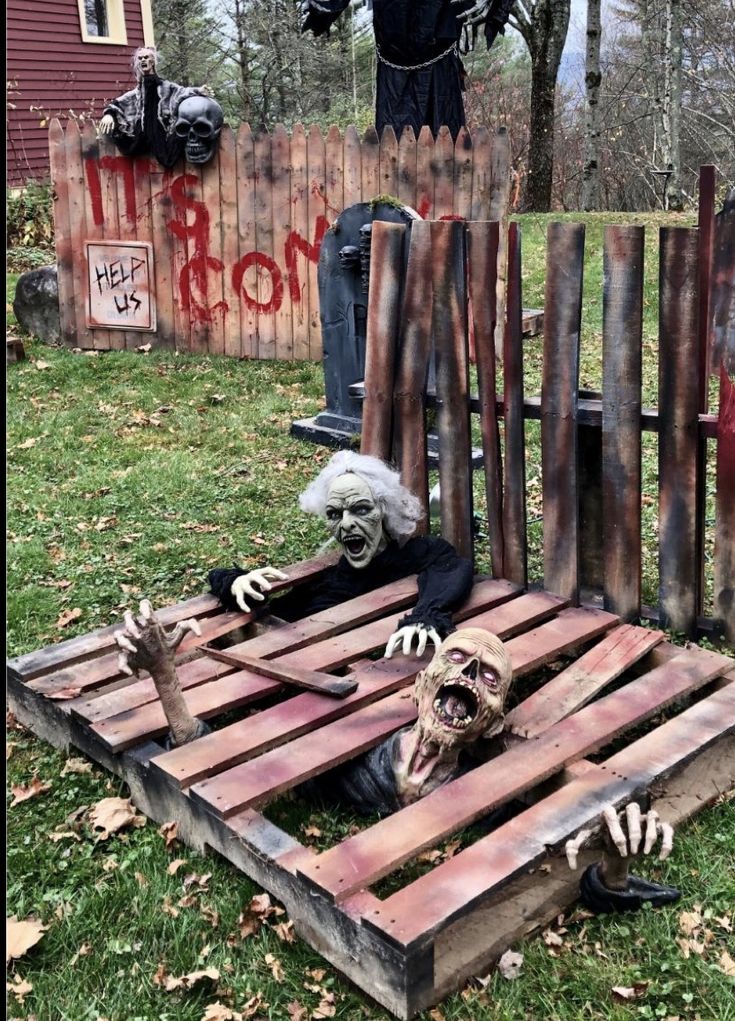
120, 285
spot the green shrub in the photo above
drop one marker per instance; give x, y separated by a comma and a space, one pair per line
30, 220
23, 257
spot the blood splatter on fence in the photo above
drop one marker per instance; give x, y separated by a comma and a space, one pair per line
236, 243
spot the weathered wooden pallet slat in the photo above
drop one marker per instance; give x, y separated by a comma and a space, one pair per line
413, 913
231, 745
575, 686
361, 860
515, 546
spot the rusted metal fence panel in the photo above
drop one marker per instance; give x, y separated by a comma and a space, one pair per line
236, 243
621, 418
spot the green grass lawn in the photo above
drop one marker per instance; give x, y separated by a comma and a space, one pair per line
131, 475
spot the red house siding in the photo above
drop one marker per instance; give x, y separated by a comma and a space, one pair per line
53, 73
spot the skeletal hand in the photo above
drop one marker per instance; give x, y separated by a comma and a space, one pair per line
107, 124
143, 642
476, 14
254, 584
627, 840
405, 636
206, 90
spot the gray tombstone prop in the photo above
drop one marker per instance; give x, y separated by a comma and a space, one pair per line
36, 303
344, 263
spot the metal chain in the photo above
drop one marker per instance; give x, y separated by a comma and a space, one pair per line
414, 67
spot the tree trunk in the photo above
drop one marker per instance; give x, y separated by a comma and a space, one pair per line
543, 25
541, 148
592, 80
672, 105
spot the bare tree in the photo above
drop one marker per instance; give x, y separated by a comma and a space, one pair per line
543, 25
592, 81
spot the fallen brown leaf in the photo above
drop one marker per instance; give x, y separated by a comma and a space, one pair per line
27, 444
634, 992
68, 617
219, 1012
169, 831
275, 966
195, 880
19, 987
76, 766
34, 788
111, 815
171, 982
63, 835
296, 1011
84, 951
21, 936
285, 932
726, 964
175, 865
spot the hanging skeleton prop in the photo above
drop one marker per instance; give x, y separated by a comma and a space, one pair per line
372, 517
161, 118
144, 645
420, 77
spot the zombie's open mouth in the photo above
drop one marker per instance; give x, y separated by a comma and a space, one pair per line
456, 705
354, 544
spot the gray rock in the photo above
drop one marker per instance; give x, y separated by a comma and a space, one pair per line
36, 303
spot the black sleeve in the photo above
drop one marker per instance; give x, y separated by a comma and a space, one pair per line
444, 582
496, 20
322, 14
220, 583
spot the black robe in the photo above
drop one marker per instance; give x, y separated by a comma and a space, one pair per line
444, 582
408, 34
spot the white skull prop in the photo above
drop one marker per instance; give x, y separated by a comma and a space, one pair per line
355, 519
199, 122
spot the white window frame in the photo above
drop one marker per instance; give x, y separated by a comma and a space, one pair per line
116, 22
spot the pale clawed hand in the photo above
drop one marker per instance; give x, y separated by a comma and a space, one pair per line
254, 585
143, 643
406, 636
107, 124
626, 830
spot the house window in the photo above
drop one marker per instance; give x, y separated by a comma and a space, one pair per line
103, 21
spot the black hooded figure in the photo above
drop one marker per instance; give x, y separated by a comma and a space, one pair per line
420, 76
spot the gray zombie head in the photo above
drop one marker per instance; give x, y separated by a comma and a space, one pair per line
199, 123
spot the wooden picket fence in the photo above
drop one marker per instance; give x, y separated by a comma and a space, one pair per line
236, 242
591, 443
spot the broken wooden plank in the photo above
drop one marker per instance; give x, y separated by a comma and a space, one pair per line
580, 682
312, 680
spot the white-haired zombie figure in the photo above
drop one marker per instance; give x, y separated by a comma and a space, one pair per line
372, 517
420, 77
144, 120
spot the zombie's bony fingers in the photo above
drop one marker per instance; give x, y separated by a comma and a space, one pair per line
667, 840
408, 636
122, 664
124, 642
651, 830
130, 625
633, 818
434, 636
393, 642
237, 590
572, 847
250, 590
146, 610
180, 630
615, 830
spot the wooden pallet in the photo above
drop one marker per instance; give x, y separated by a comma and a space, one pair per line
414, 946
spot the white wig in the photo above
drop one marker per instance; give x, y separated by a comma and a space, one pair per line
137, 53
402, 511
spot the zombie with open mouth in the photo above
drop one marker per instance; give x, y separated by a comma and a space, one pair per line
373, 518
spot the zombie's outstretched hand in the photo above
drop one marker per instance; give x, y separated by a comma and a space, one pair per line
608, 886
107, 124
406, 636
254, 584
144, 645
